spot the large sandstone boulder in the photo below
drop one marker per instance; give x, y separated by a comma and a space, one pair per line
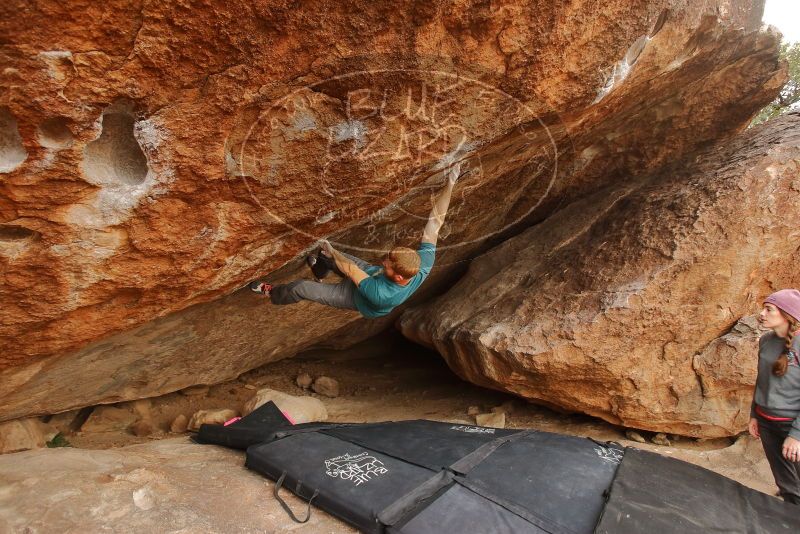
634, 304
155, 158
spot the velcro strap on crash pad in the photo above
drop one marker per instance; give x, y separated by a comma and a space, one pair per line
470, 461
393, 513
408, 502
291, 432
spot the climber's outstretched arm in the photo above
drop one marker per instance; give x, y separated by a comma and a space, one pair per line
345, 264
440, 205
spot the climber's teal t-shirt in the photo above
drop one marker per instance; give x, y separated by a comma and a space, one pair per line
377, 295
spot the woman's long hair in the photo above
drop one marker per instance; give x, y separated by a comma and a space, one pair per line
781, 365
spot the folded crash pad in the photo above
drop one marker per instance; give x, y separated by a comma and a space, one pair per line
260, 425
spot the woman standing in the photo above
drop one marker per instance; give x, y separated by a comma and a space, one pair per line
775, 412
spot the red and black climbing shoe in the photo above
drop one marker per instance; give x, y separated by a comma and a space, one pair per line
261, 287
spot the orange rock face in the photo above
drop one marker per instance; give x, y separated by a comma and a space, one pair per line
154, 157
635, 304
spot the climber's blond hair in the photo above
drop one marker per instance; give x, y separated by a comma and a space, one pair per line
404, 261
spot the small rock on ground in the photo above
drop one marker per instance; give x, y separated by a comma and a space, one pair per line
494, 420
210, 417
634, 436
661, 439
179, 424
326, 386
304, 380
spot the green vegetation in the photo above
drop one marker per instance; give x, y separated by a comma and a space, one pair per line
58, 441
790, 94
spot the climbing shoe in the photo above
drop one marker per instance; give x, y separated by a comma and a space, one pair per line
261, 287
319, 264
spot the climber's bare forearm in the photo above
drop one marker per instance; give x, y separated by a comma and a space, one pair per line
436, 218
348, 268
442, 203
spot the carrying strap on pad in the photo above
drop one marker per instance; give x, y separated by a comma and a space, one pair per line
470, 461
408, 502
285, 506
291, 432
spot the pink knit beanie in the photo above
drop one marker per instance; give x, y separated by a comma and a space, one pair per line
787, 300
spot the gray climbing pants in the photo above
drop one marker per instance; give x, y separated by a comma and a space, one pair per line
341, 295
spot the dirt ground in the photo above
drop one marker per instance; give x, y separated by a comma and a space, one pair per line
389, 378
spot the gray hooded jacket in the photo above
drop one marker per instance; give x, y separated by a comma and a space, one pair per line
778, 395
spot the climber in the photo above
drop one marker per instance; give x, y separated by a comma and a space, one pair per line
372, 290
775, 411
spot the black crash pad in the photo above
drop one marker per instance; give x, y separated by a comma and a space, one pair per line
426, 477
403, 475
653, 493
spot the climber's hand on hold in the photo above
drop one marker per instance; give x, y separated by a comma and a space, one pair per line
326, 248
